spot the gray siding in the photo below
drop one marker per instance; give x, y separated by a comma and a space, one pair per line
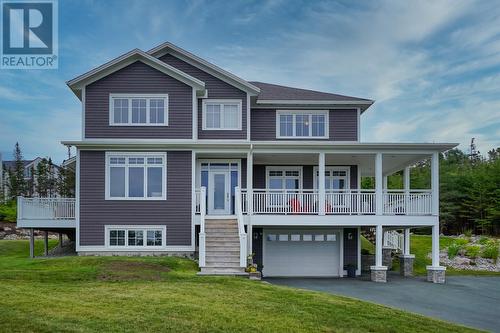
135, 79
95, 212
343, 125
216, 89
259, 176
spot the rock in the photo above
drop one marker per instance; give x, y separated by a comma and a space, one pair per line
2, 234
7, 228
11, 237
461, 260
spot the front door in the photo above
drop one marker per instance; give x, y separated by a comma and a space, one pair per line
219, 192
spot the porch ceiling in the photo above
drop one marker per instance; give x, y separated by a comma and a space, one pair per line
366, 162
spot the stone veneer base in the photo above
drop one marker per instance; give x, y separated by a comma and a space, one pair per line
406, 262
436, 274
378, 273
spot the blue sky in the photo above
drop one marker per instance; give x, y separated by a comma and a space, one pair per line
433, 67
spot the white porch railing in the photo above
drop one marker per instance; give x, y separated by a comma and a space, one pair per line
45, 208
267, 201
413, 202
394, 240
241, 227
350, 202
202, 249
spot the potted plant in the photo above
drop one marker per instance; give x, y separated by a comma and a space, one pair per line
351, 270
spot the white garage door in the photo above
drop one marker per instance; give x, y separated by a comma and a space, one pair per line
301, 252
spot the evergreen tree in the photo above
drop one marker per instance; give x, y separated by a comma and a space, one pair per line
17, 184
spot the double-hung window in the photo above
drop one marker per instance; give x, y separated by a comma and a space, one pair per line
135, 236
302, 124
138, 110
221, 114
136, 176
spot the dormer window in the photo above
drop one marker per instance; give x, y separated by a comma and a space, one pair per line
297, 124
138, 110
221, 114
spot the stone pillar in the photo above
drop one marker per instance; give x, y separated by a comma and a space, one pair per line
436, 274
406, 264
378, 272
387, 257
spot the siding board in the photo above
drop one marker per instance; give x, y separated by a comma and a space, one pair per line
138, 78
96, 212
216, 89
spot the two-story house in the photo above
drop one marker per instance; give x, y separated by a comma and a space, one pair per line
179, 156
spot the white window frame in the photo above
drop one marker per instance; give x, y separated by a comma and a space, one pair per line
144, 229
148, 98
283, 169
294, 113
221, 102
107, 186
333, 168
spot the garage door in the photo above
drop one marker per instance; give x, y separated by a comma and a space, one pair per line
301, 252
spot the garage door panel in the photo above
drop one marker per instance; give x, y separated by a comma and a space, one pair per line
301, 258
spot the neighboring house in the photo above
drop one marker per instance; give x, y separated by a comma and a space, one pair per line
180, 156
30, 176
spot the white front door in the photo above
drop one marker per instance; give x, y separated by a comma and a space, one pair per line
219, 192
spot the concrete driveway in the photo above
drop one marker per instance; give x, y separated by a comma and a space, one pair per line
468, 300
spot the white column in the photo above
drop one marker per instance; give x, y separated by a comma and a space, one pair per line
385, 182
406, 186
407, 242
435, 183
321, 183
435, 245
250, 183
378, 184
378, 245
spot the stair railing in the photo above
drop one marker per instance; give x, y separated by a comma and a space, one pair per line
203, 211
241, 227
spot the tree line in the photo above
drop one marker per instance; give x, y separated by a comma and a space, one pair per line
44, 180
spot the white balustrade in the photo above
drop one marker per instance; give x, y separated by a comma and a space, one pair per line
46, 208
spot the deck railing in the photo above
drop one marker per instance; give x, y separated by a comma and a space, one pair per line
401, 202
45, 208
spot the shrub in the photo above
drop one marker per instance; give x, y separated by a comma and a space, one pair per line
472, 251
8, 212
490, 250
483, 240
365, 251
461, 241
453, 250
468, 233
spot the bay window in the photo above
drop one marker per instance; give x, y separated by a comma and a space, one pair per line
138, 110
221, 114
302, 124
135, 176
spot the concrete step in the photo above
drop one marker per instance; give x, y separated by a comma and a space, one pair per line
223, 232
222, 239
222, 249
210, 258
224, 264
223, 271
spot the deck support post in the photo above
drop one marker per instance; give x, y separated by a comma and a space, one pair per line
46, 243
378, 272
60, 240
321, 183
249, 200
406, 260
435, 272
378, 184
32, 243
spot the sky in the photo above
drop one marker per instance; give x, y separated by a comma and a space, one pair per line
433, 67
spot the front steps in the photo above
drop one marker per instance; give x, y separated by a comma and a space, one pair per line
222, 248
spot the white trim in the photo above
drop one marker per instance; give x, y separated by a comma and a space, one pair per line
194, 120
249, 119
311, 102
309, 113
144, 228
148, 98
126, 59
358, 271
193, 197
221, 102
83, 113
77, 199
285, 168
347, 169
204, 65
108, 154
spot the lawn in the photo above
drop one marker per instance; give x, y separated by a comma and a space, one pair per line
150, 294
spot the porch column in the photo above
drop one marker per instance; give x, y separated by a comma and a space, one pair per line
406, 186
249, 200
46, 243
406, 260
435, 273
321, 183
378, 272
385, 182
32, 243
378, 184
435, 183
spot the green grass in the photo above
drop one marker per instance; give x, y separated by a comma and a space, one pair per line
151, 294
367, 245
421, 246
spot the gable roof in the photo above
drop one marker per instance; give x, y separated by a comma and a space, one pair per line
126, 59
9, 165
169, 48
